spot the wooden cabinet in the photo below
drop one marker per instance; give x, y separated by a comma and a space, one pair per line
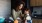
35, 2
40, 21
37, 21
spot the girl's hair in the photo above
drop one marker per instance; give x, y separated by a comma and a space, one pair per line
26, 9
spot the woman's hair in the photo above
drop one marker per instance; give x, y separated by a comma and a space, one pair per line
17, 3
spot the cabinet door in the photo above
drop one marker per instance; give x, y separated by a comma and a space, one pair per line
35, 2
38, 3
35, 21
32, 2
40, 20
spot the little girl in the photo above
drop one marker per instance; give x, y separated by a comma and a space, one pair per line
27, 15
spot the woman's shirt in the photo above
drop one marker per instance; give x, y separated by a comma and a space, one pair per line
16, 13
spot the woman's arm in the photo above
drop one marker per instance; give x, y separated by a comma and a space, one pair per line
13, 12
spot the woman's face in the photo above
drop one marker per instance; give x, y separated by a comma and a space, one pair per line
21, 6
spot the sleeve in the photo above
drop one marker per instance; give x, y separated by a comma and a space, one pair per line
21, 12
13, 12
22, 15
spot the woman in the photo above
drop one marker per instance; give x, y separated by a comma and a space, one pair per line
17, 11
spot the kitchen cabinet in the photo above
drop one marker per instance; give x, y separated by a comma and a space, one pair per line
35, 2
36, 20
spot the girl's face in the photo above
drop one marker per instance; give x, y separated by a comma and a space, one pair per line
21, 6
26, 12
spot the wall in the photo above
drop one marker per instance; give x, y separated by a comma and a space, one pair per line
5, 8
